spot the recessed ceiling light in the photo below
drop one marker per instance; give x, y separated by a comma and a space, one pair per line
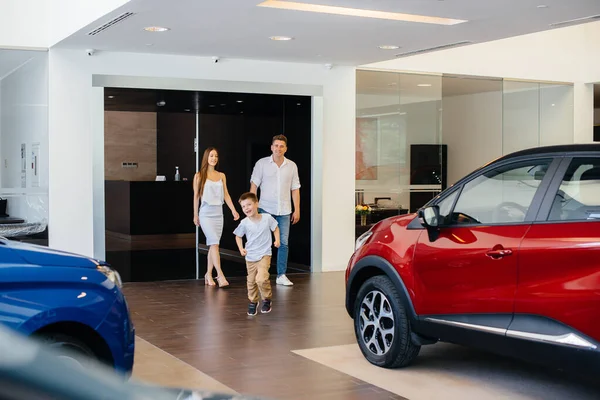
281, 38
156, 29
388, 47
223, 105
187, 109
357, 12
111, 97
240, 101
212, 105
424, 84
298, 104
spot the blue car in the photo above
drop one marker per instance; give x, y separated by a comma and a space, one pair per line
72, 303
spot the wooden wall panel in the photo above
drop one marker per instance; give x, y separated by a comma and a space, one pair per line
129, 137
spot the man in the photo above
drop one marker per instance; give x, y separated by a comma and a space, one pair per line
277, 178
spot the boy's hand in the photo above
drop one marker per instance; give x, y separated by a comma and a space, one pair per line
243, 252
277, 244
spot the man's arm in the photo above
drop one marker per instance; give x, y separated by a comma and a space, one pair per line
296, 195
296, 200
256, 177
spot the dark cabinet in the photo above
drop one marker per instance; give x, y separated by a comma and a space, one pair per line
428, 173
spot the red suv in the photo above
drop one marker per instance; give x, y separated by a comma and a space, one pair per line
506, 260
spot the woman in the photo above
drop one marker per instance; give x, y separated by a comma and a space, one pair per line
210, 191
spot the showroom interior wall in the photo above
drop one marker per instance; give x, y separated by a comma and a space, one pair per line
476, 119
472, 130
507, 117
24, 134
570, 54
76, 120
393, 113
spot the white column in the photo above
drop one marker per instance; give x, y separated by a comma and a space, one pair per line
339, 96
70, 156
317, 186
97, 131
583, 113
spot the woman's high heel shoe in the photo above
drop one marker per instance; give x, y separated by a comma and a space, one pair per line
208, 280
222, 281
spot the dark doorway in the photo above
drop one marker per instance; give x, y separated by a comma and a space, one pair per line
150, 234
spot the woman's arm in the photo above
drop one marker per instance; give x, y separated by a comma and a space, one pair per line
196, 198
228, 201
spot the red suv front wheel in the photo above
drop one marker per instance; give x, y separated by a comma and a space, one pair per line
381, 325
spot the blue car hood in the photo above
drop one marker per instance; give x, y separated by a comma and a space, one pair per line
40, 255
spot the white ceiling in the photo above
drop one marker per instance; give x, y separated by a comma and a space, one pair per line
240, 29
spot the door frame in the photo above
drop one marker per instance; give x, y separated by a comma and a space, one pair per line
99, 82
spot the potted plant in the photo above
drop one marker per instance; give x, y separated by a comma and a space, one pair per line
363, 210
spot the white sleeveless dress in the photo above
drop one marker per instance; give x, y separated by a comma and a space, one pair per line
211, 211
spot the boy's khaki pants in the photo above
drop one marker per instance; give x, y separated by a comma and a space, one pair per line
258, 279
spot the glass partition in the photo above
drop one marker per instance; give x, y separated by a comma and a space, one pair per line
398, 143
536, 114
521, 117
472, 123
556, 114
417, 134
24, 145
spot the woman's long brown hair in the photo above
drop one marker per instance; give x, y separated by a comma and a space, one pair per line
203, 173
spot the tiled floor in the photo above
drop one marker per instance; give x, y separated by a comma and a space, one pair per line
201, 337
449, 372
161, 368
207, 328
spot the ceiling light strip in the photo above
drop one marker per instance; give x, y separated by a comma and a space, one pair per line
356, 12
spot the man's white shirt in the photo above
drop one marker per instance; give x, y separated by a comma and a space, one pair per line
276, 184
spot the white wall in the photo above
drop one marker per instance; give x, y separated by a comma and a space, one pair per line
556, 115
569, 54
472, 129
74, 116
24, 120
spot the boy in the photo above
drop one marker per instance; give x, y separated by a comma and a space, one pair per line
257, 228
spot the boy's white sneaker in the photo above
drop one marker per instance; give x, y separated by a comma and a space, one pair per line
283, 280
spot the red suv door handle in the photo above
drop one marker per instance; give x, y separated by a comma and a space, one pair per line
499, 253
